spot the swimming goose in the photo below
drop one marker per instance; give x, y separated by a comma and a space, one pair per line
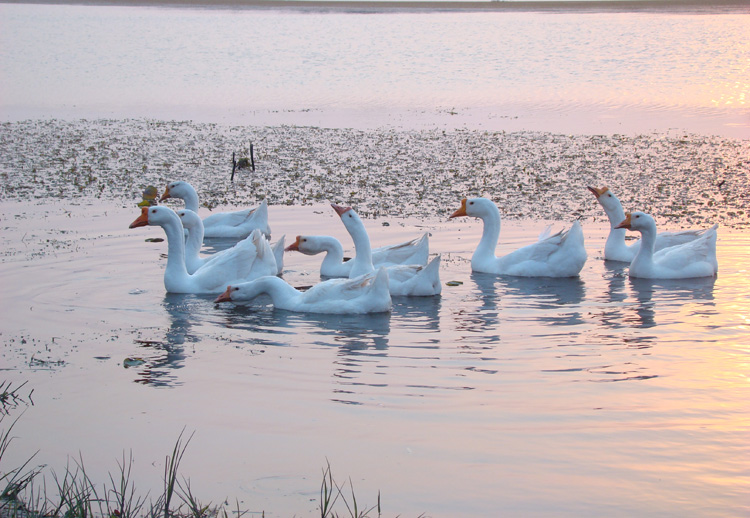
406, 280
558, 255
696, 258
364, 294
415, 251
615, 249
215, 276
244, 250
238, 224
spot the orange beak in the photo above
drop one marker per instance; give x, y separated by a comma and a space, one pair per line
339, 209
165, 195
625, 223
294, 247
598, 192
226, 296
142, 220
461, 211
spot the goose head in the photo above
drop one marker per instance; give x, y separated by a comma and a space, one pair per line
637, 221
348, 216
308, 245
155, 215
177, 189
597, 191
243, 292
474, 207
294, 247
189, 218
606, 198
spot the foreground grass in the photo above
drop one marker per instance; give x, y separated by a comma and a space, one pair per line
24, 492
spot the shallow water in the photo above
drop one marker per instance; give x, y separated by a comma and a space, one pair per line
593, 396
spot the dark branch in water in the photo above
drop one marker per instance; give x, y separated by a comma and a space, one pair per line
243, 163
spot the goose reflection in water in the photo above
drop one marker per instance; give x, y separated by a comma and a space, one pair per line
554, 301
668, 296
164, 356
276, 327
613, 307
417, 313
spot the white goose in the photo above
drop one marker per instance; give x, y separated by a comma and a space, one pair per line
215, 276
406, 280
696, 258
615, 249
558, 255
237, 225
415, 251
243, 250
364, 294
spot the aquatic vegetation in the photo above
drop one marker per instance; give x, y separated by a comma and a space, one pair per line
685, 179
24, 490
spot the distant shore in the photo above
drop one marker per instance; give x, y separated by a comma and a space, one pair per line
431, 5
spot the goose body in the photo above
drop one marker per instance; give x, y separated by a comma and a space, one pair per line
696, 258
364, 294
237, 225
213, 277
404, 280
556, 255
244, 250
615, 248
415, 251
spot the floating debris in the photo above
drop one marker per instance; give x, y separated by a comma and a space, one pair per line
133, 362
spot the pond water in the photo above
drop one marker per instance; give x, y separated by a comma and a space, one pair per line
598, 395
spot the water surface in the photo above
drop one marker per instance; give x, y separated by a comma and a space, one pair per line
504, 395
569, 71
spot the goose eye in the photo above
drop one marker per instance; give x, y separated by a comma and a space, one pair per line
609, 195
153, 211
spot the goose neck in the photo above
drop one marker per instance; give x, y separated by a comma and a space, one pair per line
191, 199
280, 291
490, 233
175, 248
645, 255
363, 252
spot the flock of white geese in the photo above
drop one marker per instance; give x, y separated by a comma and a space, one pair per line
365, 283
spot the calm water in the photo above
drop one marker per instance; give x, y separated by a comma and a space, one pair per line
568, 71
572, 397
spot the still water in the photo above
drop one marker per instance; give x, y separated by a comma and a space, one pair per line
567, 71
592, 396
